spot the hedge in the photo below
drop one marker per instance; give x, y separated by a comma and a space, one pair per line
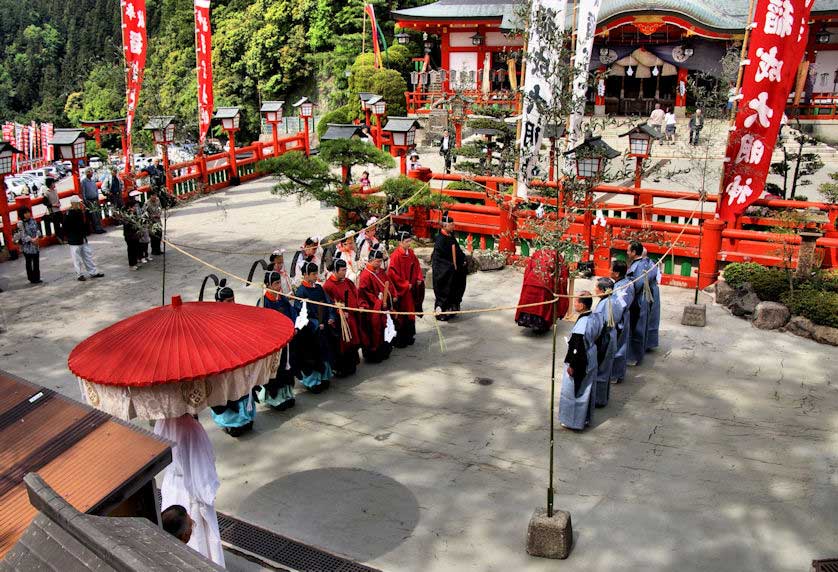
818, 305
768, 283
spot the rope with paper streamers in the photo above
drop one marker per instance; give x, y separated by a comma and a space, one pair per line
556, 297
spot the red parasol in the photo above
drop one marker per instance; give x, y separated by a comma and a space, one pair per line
180, 358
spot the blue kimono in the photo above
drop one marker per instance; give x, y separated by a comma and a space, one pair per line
655, 311
623, 297
576, 402
314, 348
236, 415
606, 347
644, 272
278, 393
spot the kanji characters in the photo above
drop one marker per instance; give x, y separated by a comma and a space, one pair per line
769, 66
762, 110
135, 42
130, 13
739, 191
751, 150
779, 18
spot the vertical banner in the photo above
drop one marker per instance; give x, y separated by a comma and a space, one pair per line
134, 46
546, 25
376, 50
586, 19
9, 135
778, 41
203, 55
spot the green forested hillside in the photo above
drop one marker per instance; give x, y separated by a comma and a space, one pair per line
61, 61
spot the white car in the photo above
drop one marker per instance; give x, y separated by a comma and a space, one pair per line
95, 163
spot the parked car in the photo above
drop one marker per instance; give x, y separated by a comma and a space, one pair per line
40, 175
95, 163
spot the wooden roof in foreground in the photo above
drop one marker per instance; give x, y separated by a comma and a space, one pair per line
91, 459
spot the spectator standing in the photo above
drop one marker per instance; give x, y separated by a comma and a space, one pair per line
113, 189
414, 163
131, 232
27, 235
656, 118
671, 123
153, 211
364, 181
90, 193
445, 150
53, 204
696, 125
76, 229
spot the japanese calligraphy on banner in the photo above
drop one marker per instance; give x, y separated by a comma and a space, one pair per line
134, 45
587, 15
203, 55
778, 41
547, 19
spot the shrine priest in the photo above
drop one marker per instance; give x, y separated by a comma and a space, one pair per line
623, 298
343, 292
606, 340
544, 279
278, 393
448, 262
643, 274
374, 294
314, 344
576, 402
406, 280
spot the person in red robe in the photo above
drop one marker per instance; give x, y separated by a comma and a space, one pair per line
542, 278
374, 294
406, 279
343, 291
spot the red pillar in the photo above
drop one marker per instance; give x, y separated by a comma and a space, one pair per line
444, 48
506, 241
681, 100
602, 251
170, 185
274, 126
638, 172
420, 215
402, 160
234, 168
711, 244
588, 222
306, 141
458, 132
76, 181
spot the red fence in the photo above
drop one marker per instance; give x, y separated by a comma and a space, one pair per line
485, 219
204, 174
421, 101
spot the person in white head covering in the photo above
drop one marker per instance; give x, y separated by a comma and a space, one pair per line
311, 252
368, 241
192, 482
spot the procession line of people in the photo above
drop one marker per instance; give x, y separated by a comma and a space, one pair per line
323, 304
618, 332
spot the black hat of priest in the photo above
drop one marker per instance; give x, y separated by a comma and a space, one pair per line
271, 277
446, 218
404, 232
309, 268
223, 292
376, 254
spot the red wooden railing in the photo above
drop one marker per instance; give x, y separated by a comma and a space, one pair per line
205, 173
419, 102
665, 230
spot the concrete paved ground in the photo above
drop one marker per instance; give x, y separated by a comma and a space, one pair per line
718, 453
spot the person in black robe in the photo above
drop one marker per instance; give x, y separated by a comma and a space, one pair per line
278, 393
449, 270
315, 343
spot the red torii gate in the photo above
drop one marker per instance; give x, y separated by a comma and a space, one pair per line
110, 127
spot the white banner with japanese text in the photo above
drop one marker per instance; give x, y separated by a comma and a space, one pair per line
546, 30
586, 19
778, 41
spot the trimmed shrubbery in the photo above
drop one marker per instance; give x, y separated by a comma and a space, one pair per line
815, 299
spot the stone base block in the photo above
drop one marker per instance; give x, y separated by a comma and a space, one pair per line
599, 110
695, 315
550, 537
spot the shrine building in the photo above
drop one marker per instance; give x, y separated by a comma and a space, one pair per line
647, 47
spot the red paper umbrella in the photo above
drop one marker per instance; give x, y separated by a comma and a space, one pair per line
181, 358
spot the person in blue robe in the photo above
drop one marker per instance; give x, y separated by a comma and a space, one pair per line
278, 393
642, 273
314, 345
654, 322
623, 297
607, 340
236, 416
576, 402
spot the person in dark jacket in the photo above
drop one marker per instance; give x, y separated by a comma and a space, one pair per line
449, 270
131, 229
696, 125
75, 230
27, 236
